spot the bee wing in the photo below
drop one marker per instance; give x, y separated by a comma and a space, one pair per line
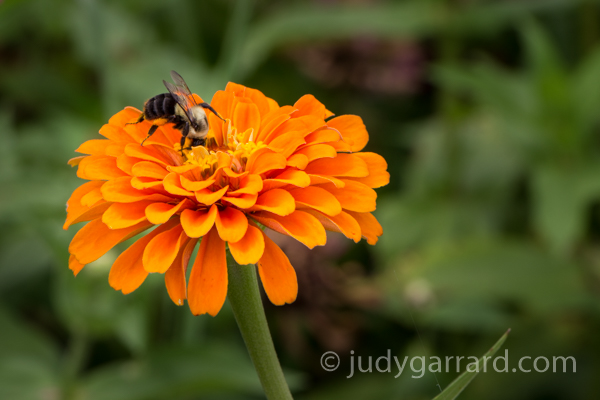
181, 93
180, 83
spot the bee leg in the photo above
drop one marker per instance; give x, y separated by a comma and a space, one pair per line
182, 143
153, 129
140, 119
184, 132
198, 142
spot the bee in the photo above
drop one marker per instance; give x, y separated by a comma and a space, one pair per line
180, 108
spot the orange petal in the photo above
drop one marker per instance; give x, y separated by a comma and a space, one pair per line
86, 214
317, 198
250, 184
270, 123
342, 222
316, 179
175, 275
231, 224
157, 154
162, 250
287, 177
287, 143
75, 161
258, 98
378, 175
369, 226
115, 134
99, 168
309, 105
120, 191
244, 201
300, 225
352, 129
192, 186
96, 147
149, 169
142, 183
172, 184
354, 196
159, 213
342, 165
250, 248
75, 208
222, 101
277, 274
208, 197
316, 151
92, 197
263, 160
127, 272
326, 135
75, 265
246, 116
207, 288
277, 201
123, 215
128, 114
299, 161
95, 239
126, 163
198, 223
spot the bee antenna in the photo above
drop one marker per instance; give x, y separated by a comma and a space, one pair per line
206, 105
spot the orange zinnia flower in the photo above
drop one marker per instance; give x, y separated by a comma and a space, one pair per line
287, 168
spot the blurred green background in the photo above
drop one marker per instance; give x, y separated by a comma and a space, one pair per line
487, 112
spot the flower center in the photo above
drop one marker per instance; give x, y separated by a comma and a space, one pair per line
223, 148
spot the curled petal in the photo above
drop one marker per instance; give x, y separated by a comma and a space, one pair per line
342, 222
316, 198
123, 215
159, 213
300, 225
355, 196
208, 197
198, 223
162, 249
277, 274
148, 169
378, 175
250, 248
231, 224
352, 129
342, 165
369, 226
277, 201
288, 177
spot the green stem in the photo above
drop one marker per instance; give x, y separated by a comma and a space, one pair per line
246, 303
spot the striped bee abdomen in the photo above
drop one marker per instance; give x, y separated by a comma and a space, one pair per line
160, 106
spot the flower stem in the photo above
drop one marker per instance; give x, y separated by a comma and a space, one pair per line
247, 306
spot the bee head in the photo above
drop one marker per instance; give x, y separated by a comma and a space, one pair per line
198, 120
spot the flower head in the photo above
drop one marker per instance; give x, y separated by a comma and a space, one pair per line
289, 168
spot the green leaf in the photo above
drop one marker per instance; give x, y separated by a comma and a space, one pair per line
460, 383
562, 196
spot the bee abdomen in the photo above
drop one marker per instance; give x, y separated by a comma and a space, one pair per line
160, 106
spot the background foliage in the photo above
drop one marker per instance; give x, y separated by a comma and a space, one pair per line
487, 112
